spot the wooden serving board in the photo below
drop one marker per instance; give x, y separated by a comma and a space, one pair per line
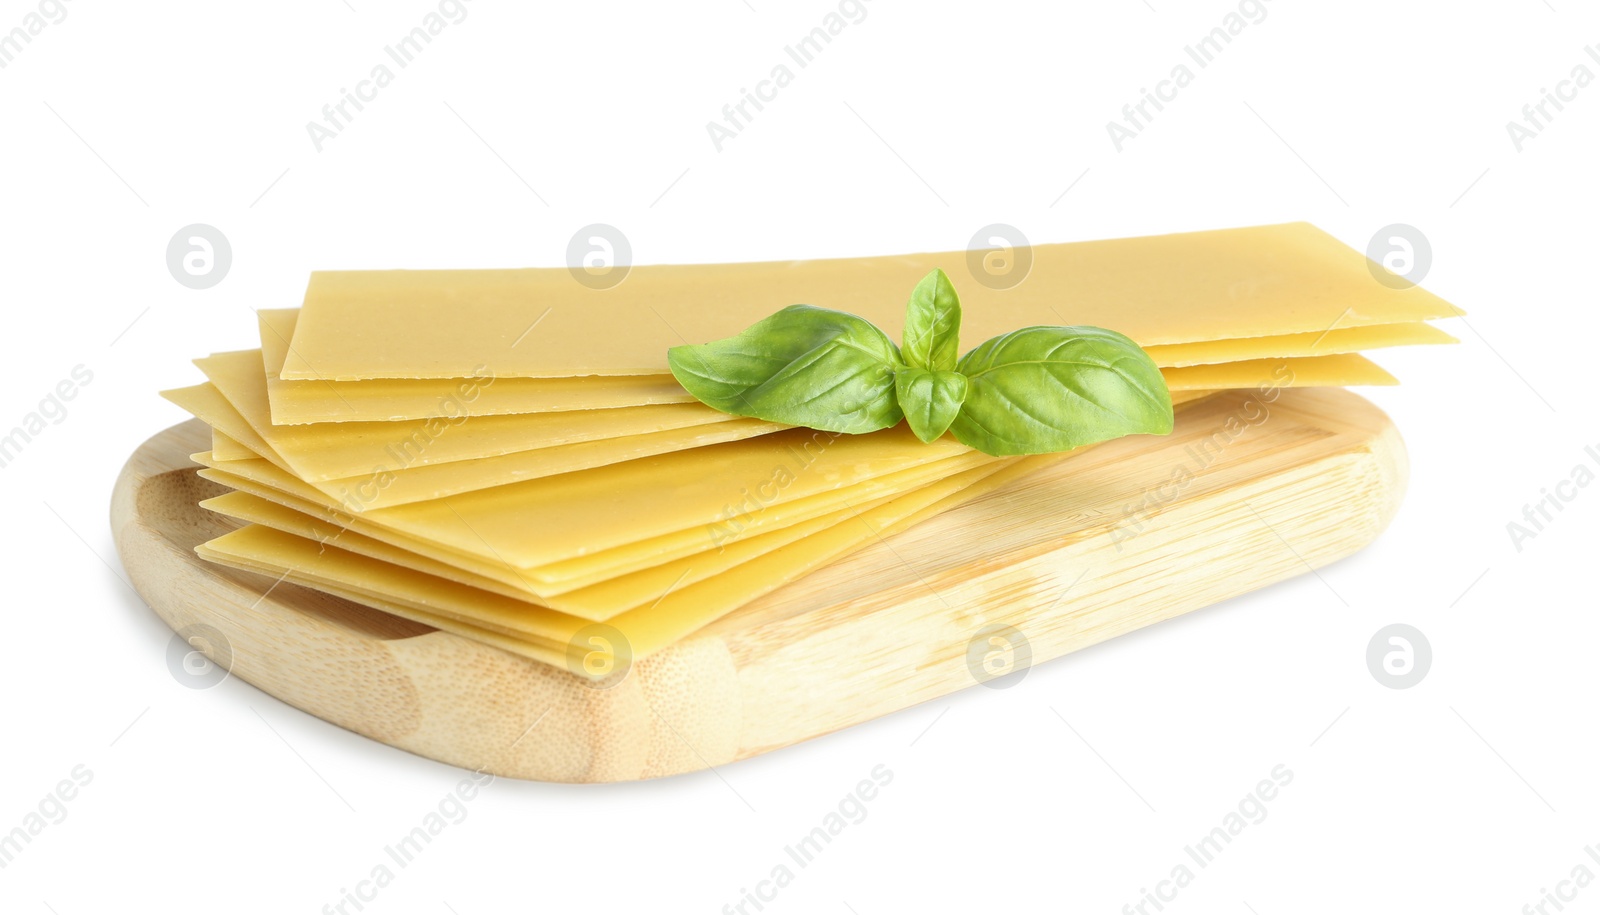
1244, 493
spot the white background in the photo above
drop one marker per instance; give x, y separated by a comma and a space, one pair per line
1468, 792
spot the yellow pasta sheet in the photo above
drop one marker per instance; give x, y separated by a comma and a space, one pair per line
330, 451
1331, 342
538, 649
383, 488
543, 581
382, 400
1171, 289
542, 650
749, 520
1349, 370
546, 634
597, 602
540, 522
315, 453
225, 448
386, 400
537, 522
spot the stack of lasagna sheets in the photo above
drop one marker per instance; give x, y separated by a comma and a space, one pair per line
502, 454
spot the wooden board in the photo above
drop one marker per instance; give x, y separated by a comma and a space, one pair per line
1243, 493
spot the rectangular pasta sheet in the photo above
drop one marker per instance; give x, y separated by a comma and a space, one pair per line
385, 488
387, 399
332, 451
263, 479
756, 482
1348, 370
597, 602
1162, 290
1337, 341
225, 448
547, 635
380, 400
700, 547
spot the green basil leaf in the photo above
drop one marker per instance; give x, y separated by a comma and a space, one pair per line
930, 400
1045, 389
805, 366
933, 325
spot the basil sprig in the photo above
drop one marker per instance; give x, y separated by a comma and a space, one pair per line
1032, 391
